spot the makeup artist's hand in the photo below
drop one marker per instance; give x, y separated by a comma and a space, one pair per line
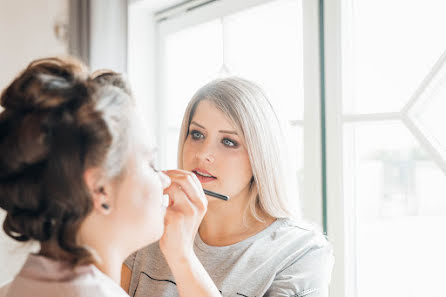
187, 207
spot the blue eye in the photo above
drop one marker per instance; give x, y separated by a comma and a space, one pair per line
229, 143
196, 135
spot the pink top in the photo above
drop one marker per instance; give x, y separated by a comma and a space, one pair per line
43, 277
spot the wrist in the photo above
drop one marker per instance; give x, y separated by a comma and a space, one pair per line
180, 257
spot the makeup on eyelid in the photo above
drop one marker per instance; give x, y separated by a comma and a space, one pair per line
228, 142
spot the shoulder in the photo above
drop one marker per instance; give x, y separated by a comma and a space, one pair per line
296, 247
90, 284
96, 284
301, 236
309, 262
308, 250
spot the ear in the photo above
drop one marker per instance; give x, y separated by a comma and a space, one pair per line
100, 190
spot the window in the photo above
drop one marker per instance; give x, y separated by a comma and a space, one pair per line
383, 89
393, 166
262, 42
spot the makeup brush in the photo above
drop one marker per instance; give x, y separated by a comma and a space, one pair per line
216, 195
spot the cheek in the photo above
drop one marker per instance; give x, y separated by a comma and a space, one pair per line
152, 192
149, 209
237, 166
188, 153
144, 197
246, 169
137, 214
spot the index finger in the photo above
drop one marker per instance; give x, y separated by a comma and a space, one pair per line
189, 183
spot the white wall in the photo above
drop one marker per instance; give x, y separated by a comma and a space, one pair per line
141, 62
108, 34
26, 33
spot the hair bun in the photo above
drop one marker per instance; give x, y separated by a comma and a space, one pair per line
32, 102
45, 84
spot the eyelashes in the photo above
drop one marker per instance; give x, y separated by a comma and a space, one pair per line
227, 142
196, 135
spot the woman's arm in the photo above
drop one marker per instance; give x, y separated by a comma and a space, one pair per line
126, 275
187, 207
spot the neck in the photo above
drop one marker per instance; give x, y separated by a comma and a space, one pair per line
110, 262
229, 222
110, 253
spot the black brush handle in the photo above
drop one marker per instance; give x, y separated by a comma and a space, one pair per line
216, 195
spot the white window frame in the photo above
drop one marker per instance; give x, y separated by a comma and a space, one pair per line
341, 209
343, 276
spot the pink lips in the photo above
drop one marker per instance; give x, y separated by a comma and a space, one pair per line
201, 178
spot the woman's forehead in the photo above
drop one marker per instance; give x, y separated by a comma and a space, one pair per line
208, 114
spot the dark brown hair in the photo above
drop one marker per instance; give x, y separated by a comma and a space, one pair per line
51, 131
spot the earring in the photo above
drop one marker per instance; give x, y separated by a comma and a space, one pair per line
105, 206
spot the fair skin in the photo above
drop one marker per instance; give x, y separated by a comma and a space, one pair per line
214, 144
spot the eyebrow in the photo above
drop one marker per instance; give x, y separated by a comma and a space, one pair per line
221, 131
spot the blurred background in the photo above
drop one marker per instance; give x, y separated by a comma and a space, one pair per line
359, 85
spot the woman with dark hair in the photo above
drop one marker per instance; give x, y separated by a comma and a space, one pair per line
77, 177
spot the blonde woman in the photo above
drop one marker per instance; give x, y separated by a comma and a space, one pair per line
253, 244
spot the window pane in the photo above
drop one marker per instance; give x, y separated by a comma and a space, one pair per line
428, 111
433, 119
295, 136
192, 58
394, 46
262, 44
398, 192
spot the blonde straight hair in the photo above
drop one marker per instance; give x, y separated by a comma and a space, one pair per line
246, 105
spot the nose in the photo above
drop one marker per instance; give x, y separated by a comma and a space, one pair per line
206, 153
165, 180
